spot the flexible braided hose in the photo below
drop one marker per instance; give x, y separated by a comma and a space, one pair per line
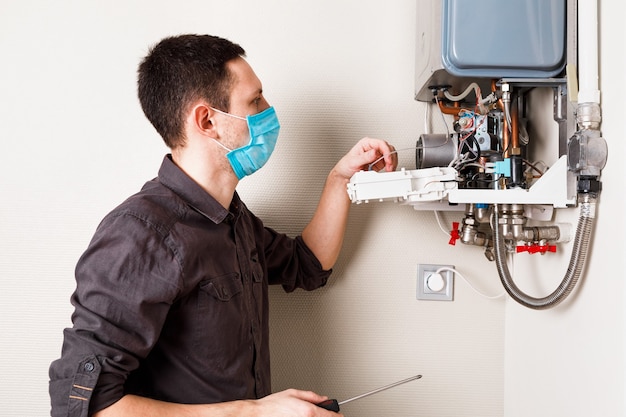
580, 249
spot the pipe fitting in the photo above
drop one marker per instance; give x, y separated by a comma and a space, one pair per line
588, 116
587, 152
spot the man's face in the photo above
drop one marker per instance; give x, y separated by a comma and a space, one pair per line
246, 98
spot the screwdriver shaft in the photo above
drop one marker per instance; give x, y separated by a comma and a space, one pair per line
395, 384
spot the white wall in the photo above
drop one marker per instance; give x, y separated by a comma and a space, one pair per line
76, 144
570, 361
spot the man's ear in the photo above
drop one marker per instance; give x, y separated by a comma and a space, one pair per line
202, 119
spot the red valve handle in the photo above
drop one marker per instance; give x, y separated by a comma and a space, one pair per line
454, 233
536, 248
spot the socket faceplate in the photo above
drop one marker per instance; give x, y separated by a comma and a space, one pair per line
435, 291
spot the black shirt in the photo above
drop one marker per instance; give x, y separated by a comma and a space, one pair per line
171, 301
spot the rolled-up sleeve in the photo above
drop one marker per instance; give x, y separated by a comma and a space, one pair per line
127, 279
292, 264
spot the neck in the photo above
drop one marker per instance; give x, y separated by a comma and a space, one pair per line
204, 167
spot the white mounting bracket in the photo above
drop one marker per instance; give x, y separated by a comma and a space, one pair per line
421, 186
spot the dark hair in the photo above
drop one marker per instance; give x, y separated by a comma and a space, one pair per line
180, 70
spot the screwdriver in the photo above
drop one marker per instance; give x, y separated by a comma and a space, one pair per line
333, 405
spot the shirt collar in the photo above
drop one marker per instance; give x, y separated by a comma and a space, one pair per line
171, 176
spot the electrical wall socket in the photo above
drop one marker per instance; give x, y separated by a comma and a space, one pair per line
432, 287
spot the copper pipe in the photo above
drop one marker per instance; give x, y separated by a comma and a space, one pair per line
449, 110
514, 126
505, 125
505, 131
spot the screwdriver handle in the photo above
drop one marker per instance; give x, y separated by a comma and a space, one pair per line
329, 404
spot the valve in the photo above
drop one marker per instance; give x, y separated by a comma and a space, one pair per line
454, 233
536, 248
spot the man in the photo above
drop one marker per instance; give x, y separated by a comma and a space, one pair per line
171, 303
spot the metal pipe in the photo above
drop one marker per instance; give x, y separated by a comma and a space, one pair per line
449, 110
587, 202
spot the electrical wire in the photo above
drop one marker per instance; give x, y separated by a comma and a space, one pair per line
369, 168
534, 167
445, 123
426, 129
427, 118
454, 271
478, 181
438, 218
406, 149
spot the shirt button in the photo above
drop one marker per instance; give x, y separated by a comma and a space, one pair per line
89, 367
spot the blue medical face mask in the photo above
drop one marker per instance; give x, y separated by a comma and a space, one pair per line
264, 128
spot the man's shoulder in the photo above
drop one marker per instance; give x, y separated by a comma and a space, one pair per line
154, 204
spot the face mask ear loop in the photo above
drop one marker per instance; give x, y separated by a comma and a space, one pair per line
227, 114
220, 144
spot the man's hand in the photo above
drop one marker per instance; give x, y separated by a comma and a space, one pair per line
324, 234
291, 403
288, 403
376, 153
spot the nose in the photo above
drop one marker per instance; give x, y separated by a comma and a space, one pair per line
262, 105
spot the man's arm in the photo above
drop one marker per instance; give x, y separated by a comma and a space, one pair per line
288, 403
324, 234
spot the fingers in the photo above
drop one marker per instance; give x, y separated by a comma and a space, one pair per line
367, 154
309, 396
378, 154
294, 403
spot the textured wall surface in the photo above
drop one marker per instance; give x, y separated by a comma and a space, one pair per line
76, 144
